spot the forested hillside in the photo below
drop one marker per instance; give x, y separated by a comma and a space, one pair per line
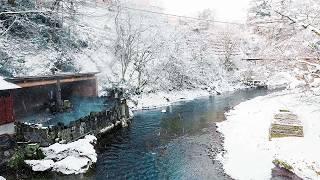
290, 35
258, 79
146, 52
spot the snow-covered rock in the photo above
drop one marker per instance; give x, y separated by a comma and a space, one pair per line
72, 158
247, 126
124, 123
316, 91
131, 114
7, 128
40, 165
315, 83
106, 129
279, 80
82, 147
72, 165
296, 84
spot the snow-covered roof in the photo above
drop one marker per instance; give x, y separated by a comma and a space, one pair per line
21, 79
4, 85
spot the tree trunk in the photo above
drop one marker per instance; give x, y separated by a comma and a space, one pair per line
138, 90
58, 96
12, 2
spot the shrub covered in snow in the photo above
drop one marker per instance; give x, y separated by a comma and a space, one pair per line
30, 36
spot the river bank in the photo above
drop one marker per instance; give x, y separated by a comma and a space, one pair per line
163, 99
247, 126
181, 143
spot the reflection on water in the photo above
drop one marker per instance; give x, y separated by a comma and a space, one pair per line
168, 145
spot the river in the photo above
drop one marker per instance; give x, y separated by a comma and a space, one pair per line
178, 144
171, 145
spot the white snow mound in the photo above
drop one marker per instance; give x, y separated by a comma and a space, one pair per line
72, 158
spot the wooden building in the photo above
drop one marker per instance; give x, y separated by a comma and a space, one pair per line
33, 94
6, 102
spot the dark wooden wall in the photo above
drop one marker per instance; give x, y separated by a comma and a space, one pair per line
32, 100
6, 108
85, 88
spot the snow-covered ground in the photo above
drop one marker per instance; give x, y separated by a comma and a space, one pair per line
249, 153
279, 80
7, 129
72, 158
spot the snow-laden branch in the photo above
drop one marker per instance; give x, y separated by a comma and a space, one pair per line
305, 26
5, 32
23, 12
316, 65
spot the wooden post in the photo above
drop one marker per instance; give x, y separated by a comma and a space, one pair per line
58, 95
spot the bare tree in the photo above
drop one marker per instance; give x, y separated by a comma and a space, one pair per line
144, 53
126, 38
227, 46
135, 47
302, 24
208, 16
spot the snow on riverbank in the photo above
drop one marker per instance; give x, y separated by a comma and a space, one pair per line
249, 153
161, 99
72, 158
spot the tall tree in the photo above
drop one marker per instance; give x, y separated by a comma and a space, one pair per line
12, 2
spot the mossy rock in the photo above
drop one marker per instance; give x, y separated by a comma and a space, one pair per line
282, 164
286, 124
22, 153
33, 151
17, 160
279, 131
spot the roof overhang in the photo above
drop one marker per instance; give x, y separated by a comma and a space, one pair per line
31, 81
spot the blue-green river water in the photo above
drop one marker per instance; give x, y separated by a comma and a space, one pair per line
172, 145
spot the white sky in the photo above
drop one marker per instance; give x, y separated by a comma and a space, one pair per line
225, 10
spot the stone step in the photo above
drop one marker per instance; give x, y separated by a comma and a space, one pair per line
286, 124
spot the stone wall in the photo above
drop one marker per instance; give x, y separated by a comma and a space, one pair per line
95, 123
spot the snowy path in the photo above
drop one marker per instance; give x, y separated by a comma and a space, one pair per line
249, 153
